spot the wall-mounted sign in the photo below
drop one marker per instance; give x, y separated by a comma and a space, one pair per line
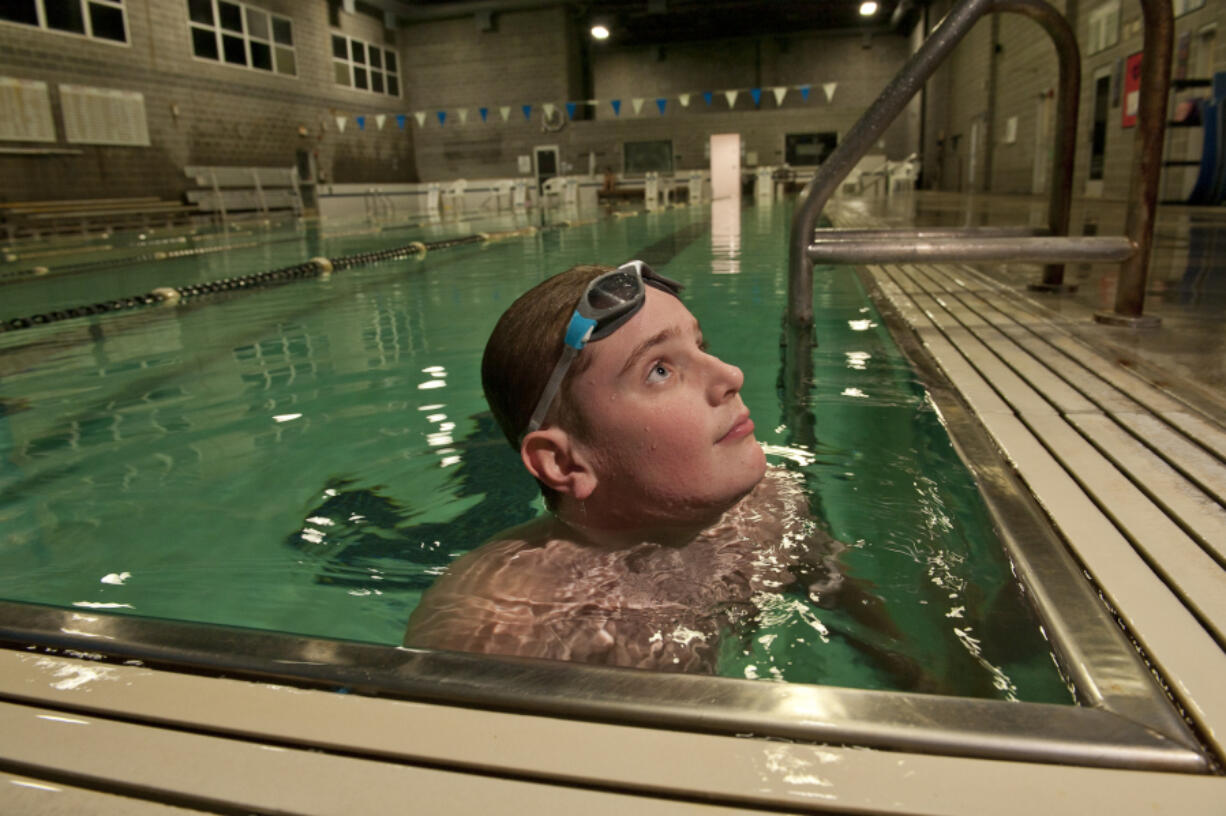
1132, 90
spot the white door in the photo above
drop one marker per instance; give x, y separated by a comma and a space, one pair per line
726, 165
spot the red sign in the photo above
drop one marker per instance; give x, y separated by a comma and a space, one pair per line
1132, 90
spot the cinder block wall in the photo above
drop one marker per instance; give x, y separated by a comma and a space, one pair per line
1000, 77
532, 58
200, 112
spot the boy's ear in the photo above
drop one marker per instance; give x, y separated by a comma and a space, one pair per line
553, 456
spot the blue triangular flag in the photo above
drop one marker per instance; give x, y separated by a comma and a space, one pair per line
527, 111
708, 96
660, 103
804, 92
756, 93
617, 107
442, 117
400, 120
484, 113
570, 110
361, 120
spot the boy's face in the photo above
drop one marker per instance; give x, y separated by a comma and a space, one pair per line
667, 431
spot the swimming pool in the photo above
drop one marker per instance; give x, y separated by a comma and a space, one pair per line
307, 458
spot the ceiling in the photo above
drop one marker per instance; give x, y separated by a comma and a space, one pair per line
644, 22
649, 22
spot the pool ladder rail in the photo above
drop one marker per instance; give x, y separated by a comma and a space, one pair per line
1053, 246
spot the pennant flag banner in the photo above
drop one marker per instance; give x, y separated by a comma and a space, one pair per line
780, 93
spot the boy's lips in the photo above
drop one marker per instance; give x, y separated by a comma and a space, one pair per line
742, 427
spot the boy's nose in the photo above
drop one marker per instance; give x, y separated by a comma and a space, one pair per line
726, 381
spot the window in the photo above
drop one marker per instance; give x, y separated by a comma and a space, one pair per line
1104, 27
97, 19
364, 66
1184, 6
803, 149
238, 34
646, 157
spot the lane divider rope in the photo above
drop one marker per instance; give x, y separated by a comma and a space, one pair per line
309, 269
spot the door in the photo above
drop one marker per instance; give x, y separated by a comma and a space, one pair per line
546, 165
1042, 144
726, 165
1098, 133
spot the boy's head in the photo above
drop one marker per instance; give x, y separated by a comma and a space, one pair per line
524, 347
646, 425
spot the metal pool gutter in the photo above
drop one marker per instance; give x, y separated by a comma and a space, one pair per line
1031, 732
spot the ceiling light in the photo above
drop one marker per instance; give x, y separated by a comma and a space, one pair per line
600, 32
868, 8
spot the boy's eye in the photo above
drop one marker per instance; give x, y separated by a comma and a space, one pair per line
658, 373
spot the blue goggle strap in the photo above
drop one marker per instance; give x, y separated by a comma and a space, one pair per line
577, 334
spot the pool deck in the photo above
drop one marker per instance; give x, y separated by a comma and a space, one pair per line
1118, 434
1126, 459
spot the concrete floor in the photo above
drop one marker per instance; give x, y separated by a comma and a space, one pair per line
1185, 355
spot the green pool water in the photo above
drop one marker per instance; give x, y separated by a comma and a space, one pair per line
307, 458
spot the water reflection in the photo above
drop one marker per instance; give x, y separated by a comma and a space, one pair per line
726, 236
364, 540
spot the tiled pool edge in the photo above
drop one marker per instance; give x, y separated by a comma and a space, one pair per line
1026, 432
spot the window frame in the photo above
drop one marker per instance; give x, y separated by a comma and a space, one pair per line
269, 40
635, 152
352, 65
1099, 22
41, 12
792, 140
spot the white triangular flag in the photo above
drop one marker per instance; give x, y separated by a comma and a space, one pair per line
340, 123
549, 108
684, 99
380, 118
420, 116
780, 92
731, 97
505, 112
463, 115
829, 87
637, 104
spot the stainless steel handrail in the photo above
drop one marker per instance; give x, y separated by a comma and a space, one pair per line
1058, 247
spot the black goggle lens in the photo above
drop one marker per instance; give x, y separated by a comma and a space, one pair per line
614, 290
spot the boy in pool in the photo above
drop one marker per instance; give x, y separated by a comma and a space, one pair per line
665, 521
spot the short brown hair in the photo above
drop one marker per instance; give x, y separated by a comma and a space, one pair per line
524, 348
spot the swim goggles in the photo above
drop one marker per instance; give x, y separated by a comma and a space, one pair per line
610, 300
